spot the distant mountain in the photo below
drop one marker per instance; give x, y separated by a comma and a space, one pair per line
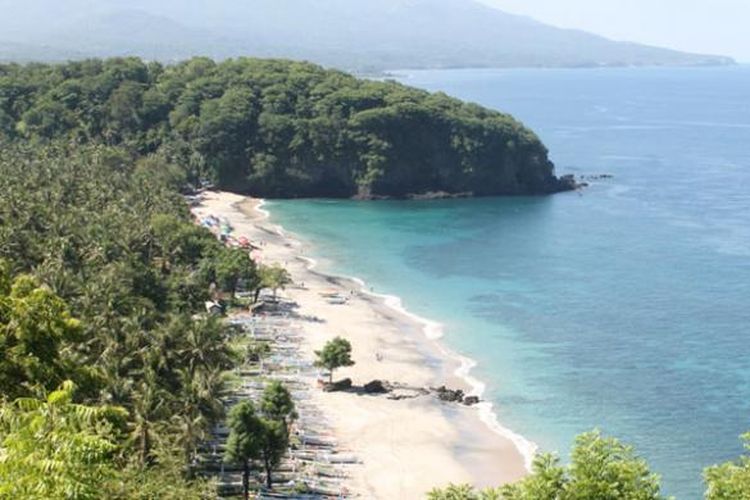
349, 34
16, 51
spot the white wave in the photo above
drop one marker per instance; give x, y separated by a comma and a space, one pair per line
433, 330
259, 208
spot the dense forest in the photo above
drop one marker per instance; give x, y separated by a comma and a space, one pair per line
102, 270
277, 128
111, 379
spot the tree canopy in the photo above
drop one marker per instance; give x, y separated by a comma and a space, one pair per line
37, 334
244, 442
109, 377
260, 435
102, 271
731, 479
601, 468
276, 403
274, 277
53, 448
335, 354
277, 128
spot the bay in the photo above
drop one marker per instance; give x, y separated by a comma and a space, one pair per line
624, 307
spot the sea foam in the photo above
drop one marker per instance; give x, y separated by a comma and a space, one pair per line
433, 331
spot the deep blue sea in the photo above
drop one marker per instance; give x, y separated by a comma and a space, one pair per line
625, 308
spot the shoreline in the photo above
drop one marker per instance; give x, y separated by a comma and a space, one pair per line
408, 446
433, 331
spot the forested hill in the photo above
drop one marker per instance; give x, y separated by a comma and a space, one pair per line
346, 34
276, 128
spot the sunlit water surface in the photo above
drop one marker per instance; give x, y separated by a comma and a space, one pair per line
626, 308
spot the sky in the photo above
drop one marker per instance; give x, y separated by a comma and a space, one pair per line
719, 27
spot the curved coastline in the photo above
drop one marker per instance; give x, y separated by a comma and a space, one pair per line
433, 331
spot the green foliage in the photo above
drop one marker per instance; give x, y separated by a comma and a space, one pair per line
54, 448
335, 354
164, 481
274, 441
546, 481
730, 480
601, 468
36, 332
463, 492
231, 267
276, 128
257, 350
245, 428
276, 403
274, 277
260, 436
247, 437
111, 243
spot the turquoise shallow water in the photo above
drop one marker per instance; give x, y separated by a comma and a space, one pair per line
626, 308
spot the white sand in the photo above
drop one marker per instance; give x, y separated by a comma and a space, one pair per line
407, 446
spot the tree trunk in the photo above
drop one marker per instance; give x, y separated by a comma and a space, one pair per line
245, 480
269, 481
188, 461
257, 294
330, 376
145, 444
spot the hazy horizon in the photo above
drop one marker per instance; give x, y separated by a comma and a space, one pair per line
716, 27
373, 35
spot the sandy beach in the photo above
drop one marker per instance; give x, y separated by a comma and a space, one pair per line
406, 446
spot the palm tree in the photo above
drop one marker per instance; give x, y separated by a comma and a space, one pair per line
203, 344
148, 405
198, 408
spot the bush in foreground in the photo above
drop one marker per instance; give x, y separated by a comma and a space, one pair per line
601, 468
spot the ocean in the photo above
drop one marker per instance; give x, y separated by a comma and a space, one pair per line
625, 307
